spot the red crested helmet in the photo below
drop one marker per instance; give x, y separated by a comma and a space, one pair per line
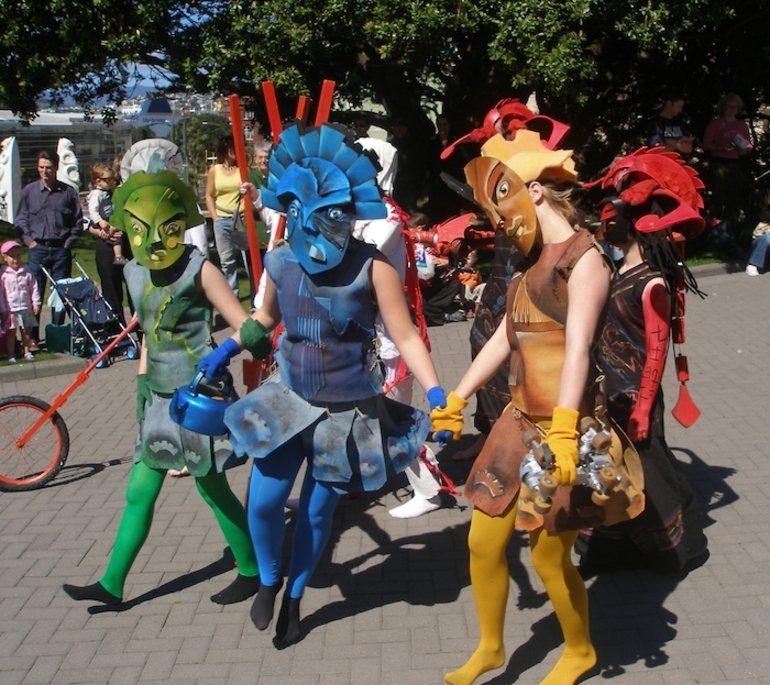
506, 118
661, 176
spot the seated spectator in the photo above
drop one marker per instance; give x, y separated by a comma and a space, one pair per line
442, 300
470, 278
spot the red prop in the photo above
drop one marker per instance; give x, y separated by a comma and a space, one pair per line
507, 117
273, 115
303, 108
243, 169
685, 410
325, 102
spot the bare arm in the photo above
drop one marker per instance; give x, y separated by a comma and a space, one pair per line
395, 314
219, 293
588, 289
142, 359
492, 356
211, 191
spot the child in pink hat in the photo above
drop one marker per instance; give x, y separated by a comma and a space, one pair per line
20, 302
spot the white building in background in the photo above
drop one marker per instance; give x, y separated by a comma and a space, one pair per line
91, 141
157, 114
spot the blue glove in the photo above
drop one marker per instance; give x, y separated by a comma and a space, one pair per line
215, 362
436, 397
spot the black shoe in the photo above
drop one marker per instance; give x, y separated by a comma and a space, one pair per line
239, 590
264, 605
287, 625
95, 593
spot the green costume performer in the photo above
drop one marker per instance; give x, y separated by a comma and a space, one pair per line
173, 288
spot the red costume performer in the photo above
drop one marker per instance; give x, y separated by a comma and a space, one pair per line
657, 196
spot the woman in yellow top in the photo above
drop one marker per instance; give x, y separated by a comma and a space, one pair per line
223, 199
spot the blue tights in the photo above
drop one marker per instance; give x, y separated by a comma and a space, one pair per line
271, 481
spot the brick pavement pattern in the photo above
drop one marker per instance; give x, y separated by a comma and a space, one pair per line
391, 603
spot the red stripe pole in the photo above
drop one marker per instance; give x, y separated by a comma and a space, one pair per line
236, 124
273, 115
303, 108
325, 102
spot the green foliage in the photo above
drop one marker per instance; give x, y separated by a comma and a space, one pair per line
602, 65
202, 133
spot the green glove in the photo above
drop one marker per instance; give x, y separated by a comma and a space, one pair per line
143, 396
449, 419
563, 441
256, 338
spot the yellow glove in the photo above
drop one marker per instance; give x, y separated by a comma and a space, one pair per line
448, 420
563, 441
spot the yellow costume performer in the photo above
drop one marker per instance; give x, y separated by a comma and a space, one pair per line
553, 312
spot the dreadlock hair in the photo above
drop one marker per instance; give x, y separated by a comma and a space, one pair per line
660, 251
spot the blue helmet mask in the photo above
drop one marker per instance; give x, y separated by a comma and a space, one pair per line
323, 182
319, 211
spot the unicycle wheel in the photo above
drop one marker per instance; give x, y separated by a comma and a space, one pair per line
41, 457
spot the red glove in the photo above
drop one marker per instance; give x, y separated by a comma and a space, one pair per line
656, 305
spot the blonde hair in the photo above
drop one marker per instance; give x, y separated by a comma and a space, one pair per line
100, 170
558, 194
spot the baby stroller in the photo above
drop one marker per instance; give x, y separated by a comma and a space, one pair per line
94, 324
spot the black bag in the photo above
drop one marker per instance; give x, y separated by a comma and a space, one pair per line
238, 237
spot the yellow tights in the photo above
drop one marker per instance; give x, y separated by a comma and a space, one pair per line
490, 579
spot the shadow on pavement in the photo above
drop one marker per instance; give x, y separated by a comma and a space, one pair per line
709, 483
217, 568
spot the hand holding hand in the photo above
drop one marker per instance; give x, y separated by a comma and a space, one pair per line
563, 441
447, 421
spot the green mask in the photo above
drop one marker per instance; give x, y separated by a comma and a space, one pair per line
153, 210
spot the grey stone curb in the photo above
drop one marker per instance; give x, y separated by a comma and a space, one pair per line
63, 364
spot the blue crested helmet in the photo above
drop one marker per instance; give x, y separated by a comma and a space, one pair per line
323, 181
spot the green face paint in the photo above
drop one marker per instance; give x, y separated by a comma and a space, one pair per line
154, 210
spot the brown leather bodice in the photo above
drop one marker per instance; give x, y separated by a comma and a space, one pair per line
536, 313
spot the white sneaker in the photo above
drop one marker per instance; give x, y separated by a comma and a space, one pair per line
29, 357
752, 270
11, 360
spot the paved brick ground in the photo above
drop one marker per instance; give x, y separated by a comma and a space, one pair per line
390, 603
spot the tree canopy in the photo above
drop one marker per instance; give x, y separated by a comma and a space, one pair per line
601, 65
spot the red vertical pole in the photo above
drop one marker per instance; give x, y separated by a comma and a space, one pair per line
236, 124
273, 115
303, 108
325, 102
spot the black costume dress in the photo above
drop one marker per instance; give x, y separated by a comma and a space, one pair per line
669, 533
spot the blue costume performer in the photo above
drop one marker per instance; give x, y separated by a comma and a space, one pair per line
326, 405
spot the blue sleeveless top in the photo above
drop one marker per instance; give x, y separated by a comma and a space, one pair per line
328, 351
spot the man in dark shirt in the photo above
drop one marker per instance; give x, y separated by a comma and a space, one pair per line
667, 128
49, 220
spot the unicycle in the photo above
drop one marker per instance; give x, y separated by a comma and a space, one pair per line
34, 440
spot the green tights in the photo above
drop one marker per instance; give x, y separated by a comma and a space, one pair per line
143, 489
